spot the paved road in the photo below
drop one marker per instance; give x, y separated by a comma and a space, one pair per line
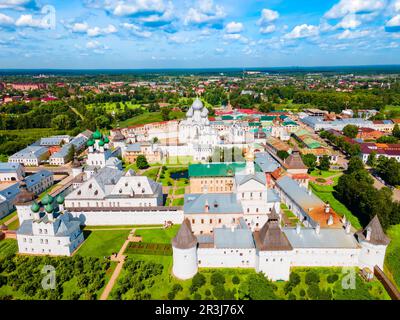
380, 185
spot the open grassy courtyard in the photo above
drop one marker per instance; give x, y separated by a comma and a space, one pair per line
102, 243
157, 235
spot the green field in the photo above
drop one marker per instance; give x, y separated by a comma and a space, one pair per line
149, 117
151, 173
157, 235
178, 202
8, 247
112, 106
392, 261
144, 118
102, 243
8, 217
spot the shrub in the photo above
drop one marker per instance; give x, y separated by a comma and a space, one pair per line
320, 180
312, 277
332, 278
198, 280
177, 287
208, 292
292, 297
217, 278
302, 292
294, 279
197, 296
171, 295
235, 280
219, 291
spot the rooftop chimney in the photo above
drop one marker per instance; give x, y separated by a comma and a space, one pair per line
317, 228
348, 227
327, 208
330, 220
344, 220
206, 206
368, 236
298, 228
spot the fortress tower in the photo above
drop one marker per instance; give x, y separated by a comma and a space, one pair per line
373, 243
184, 247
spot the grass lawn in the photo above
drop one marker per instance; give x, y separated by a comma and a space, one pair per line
158, 235
178, 202
323, 174
8, 217
13, 225
179, 191
185, 160
144, 118
392, 262
325, 193
151, 173
128, 227
102, 243
8, 247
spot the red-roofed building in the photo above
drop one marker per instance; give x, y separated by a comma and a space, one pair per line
380, 149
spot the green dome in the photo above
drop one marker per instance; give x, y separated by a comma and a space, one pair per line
97, 135
90, 143
35, 207
60, 199
101, 143
47, 199
48, 208
106, 140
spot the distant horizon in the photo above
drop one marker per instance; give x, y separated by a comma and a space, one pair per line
200, 68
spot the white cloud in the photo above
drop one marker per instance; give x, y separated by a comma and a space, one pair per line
266, 21
80, 27
16, 4
178, 39
349, 22
348, 34
96, 31
5, 20
27, 20
234, 27
345, 7
137, 30
96, 47
205, 13
268, 29
83, 27
394, 22
235, 37
268, 16
303, 31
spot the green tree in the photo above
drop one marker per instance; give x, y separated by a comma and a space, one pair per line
61, 122
165, 112
310, 161
71, 153
396, 131
217, 278
283, 154
355, 164
372, 159
141, 162
350, 131
324, 163
198, 280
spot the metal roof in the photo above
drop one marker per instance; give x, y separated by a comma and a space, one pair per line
215, 169
266, 162
225, 238
220, 203
298, 194
9, 167
327, 238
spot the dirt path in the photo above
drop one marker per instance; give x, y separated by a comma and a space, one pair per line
120, 258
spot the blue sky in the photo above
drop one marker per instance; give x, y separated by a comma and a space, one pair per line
197, 33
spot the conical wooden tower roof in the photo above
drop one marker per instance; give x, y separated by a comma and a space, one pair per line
184, 239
